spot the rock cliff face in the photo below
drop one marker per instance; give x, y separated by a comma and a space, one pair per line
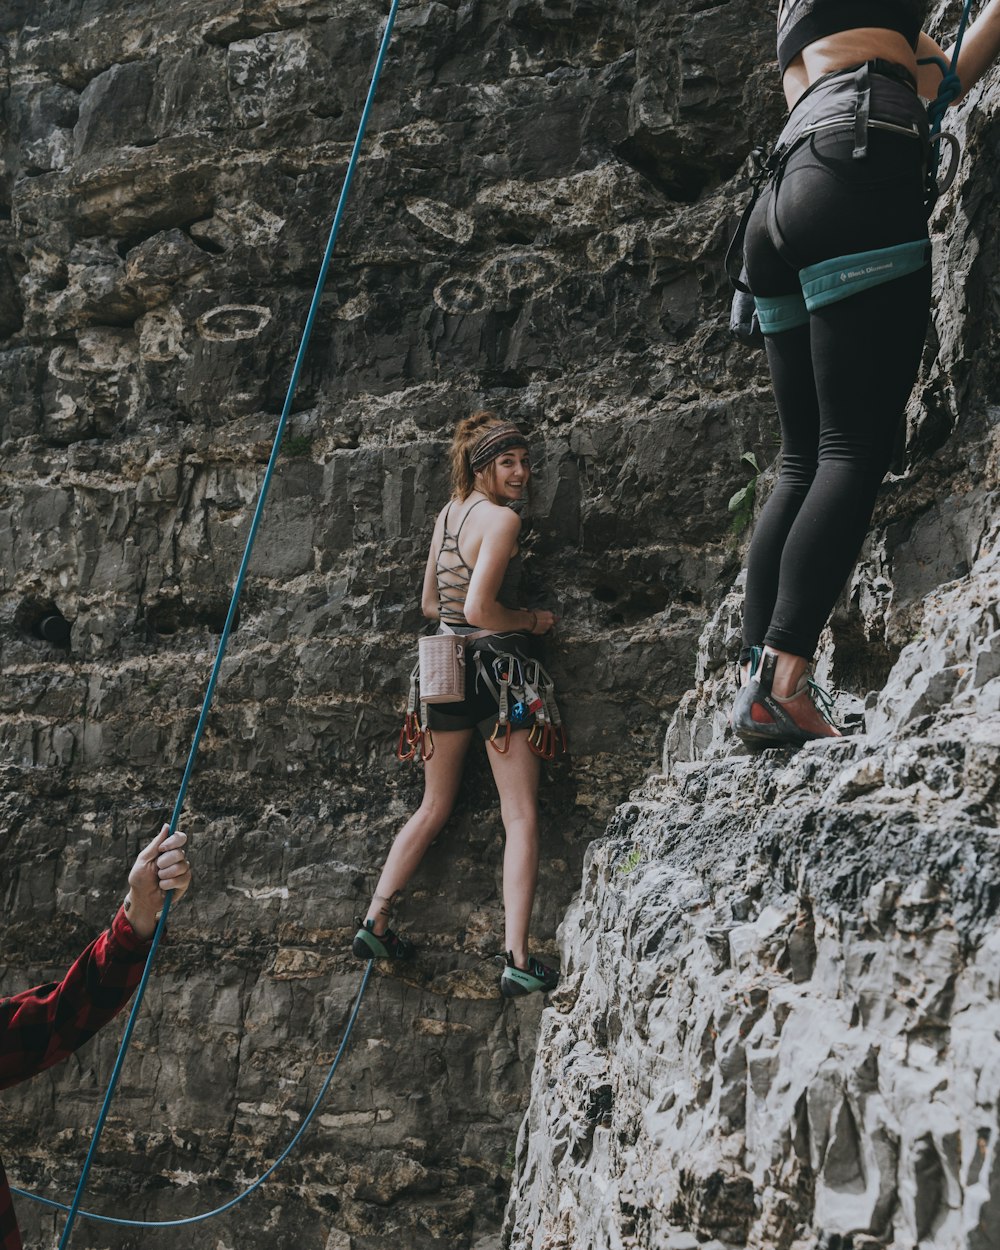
536, 226
778, 1017
780, 1024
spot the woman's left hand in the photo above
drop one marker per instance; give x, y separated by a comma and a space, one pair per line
545, 621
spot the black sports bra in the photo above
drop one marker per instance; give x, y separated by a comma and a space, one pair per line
802, 22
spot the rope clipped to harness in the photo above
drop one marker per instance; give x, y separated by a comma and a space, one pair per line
949, 90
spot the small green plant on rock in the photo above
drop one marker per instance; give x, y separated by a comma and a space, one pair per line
631, 861
741, 504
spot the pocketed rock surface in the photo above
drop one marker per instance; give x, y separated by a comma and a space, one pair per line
537, 226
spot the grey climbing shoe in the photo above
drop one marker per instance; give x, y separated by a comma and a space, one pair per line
368, 944
537, 978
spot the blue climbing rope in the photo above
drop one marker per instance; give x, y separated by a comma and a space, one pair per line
949, 89
74, 1208
227, 1206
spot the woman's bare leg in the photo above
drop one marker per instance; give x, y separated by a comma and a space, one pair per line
516, 777
442, 774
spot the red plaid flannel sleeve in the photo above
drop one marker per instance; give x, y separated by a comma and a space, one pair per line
43, 1025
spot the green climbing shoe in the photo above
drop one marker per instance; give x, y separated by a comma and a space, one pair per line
537, 978
368, 944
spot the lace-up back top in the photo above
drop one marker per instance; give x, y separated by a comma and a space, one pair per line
454, 574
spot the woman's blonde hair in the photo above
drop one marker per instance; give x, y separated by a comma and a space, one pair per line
469, 432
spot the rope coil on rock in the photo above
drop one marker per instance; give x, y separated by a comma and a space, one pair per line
74, 1208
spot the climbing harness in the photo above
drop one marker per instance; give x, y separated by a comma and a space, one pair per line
522, 689
74, 1208
252, 1188
751, 319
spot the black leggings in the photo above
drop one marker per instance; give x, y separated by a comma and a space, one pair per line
841, 381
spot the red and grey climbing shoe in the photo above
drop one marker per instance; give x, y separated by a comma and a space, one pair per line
752, 665
537, 978
368, 944
761, 718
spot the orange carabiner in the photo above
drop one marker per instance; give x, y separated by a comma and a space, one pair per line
542, 741
506, 738
559, 734
404, 741
426, 745
411, 725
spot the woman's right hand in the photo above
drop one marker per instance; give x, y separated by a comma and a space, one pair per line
544, 621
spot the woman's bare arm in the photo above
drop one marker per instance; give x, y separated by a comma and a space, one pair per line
980, 49
429, 604
481, 606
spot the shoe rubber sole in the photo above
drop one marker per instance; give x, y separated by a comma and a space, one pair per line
515, 984
366, 945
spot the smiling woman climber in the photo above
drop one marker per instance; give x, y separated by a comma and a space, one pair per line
471, 582
838, 258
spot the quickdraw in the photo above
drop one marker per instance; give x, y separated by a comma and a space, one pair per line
949, 89
548, 734
415, 736
533, 691
504, 668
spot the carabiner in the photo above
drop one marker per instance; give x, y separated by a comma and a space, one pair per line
559, 735
411, 727
497, 728
426, 745
404, 740
943, 181
542, 740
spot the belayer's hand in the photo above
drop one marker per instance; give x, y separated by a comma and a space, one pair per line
160, 867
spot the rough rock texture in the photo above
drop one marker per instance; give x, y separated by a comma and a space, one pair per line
780, 1026
537, 226
778, 1021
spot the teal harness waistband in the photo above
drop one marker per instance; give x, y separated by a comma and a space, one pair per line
838, 278
780, 312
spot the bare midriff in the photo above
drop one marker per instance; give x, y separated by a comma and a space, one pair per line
848, 47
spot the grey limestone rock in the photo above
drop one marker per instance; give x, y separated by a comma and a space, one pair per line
781, 989
536, 226
777, 1016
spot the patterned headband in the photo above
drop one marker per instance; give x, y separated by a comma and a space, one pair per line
496, 440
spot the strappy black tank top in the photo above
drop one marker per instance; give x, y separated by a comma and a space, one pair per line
454, 574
